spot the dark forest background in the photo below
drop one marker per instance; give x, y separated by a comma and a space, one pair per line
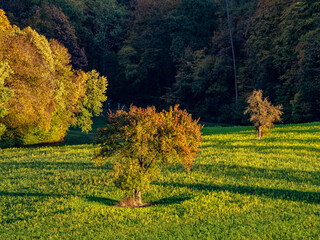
164, 52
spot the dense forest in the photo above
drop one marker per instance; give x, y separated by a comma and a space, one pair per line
165, 52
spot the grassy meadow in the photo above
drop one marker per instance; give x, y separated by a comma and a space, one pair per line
239, 188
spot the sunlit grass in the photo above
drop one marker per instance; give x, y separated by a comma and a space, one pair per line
239, 188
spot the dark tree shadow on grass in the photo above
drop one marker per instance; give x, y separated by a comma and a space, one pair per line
101, 200
262, 149
238, 171
290, 195
104, 200
164, 201
172, 200
53, 165
26, 218
30, 194
305, 130
223, 169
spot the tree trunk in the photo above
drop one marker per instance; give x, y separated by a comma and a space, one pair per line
259, 133
138, 198
233, 54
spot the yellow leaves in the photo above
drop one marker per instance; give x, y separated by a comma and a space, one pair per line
4, 23
42, 45
5, 93
61, 58
77, 88
48, 91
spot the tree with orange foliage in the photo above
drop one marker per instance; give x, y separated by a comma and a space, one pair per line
141, 140
262, 113
49, 96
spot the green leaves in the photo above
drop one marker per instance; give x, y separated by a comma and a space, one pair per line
91, 104
279, 34
191, 25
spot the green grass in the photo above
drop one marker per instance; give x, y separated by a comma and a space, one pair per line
239, 188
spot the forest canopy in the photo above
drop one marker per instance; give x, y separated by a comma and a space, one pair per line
41, 94
179, 51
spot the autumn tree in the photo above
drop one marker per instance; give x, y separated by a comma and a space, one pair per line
262, 113
141, 140
49, 95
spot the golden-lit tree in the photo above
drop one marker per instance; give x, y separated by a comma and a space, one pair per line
48, 94
141, 140
29, 56
262, 113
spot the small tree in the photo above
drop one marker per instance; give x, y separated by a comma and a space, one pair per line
141, 140
262, 113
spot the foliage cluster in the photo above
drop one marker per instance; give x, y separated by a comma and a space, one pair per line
262, 113
140, 140
5, 93
41, 95
238, 188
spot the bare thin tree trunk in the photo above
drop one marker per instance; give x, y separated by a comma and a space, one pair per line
233, 54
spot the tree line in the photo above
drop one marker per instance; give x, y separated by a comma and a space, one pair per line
179, 51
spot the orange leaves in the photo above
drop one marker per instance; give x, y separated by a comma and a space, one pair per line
262, 113
146, 139
186, 136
